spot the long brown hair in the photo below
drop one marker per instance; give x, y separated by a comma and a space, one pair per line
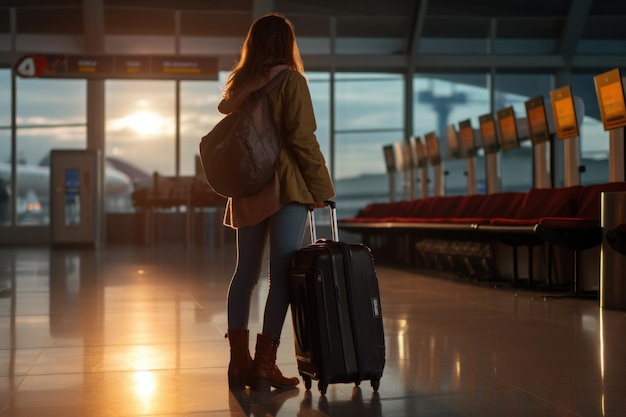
271, 41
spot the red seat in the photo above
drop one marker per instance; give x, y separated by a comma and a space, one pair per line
544, 202
505, 205
581, 231
561, 230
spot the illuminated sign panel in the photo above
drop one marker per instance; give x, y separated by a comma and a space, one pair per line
132, 65
610, 92
466, 131
488, 133
419, 153
117, 66
454, 148
432, 148
537, 120
390, 159
508, 129
184, 66
89, 64
564, 112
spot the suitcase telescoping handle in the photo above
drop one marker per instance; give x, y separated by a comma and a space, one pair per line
333, 222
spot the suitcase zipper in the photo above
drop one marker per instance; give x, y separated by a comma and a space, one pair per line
339, 303
352, 307
326, 319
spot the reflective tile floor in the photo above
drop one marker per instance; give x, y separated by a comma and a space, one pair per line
129, 331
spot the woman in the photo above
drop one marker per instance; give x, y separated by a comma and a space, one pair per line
279, 210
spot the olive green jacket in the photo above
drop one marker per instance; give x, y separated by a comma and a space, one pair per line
301, 168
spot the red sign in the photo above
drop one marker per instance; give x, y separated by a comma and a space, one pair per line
33, 66
117, 66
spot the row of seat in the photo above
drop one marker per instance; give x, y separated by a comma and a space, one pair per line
567, 217
169, 192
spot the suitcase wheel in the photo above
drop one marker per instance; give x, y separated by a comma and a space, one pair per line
375, 384
307, 382
322, 387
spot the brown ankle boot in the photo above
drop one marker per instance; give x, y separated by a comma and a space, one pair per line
265, 373
240, 359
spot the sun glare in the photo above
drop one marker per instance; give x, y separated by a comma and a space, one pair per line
144, 122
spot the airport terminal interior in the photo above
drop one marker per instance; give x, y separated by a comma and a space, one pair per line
477, 149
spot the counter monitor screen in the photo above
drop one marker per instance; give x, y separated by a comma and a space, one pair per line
488, 133
390, 159
564, 112
537, 120
432, 148
454, 148
402, 162
468, 142
419, 153
409, 159
610, 92
508, 129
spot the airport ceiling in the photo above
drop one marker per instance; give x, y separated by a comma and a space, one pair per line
459, 40
359, 18
386, 27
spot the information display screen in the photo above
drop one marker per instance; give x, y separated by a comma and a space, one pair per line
508, 129
454, 147
610, 92
432, 148
72, 181
564, 112
537, 120
468, 141
419, 153
390, 158
407, 151
403, 162
132, 65
488, 133
72, 197
117, 66
87, 65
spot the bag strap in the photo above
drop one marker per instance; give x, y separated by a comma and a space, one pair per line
275, 81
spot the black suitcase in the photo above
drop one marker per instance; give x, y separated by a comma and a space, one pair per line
336, 312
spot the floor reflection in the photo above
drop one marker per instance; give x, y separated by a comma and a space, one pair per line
262, 403
128, 331
270, 404
355, 406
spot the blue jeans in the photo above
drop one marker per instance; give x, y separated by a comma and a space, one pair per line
285, 229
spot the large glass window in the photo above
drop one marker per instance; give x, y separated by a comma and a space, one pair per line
594, 140
368, 115
319, 86
51, 114
141, 124
140, 133
444, 99
594, 151
198, 114
513, 90
5, 146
